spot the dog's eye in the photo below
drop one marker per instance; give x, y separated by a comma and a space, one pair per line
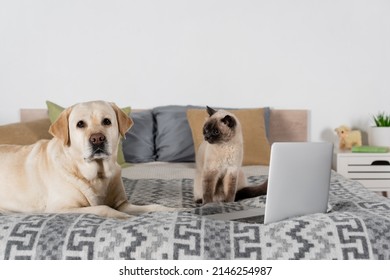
81, 124
106, 121
215, 131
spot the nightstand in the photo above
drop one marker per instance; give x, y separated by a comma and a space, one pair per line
371, 169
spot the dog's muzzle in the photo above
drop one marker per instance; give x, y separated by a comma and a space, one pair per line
98, 144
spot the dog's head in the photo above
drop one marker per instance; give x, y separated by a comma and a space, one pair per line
91, 129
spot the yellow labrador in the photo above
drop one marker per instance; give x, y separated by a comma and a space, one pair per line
76, 171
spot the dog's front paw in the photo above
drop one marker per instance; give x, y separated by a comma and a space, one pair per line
122, 216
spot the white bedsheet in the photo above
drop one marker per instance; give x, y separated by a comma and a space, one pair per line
165, 170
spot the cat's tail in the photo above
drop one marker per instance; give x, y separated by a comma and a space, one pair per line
254, 191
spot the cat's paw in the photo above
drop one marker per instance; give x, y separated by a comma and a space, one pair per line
199, 201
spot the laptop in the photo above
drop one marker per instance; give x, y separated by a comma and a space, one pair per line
298, 183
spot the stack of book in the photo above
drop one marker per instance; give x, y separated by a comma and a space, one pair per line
370, 149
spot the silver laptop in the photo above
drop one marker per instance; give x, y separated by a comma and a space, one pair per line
298, 182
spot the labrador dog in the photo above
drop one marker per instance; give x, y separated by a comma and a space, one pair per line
76, 171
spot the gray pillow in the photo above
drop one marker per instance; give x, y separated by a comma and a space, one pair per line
267, 113
138, 146
173, 142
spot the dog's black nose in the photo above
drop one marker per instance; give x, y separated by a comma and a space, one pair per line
97, 138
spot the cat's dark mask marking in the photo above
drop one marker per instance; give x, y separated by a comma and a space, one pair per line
211, 132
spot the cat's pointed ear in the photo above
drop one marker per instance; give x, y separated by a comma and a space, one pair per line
210, 111
229, 121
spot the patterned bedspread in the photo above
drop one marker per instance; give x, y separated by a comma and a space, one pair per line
358, 227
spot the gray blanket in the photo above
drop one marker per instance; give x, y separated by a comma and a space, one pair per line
358, 227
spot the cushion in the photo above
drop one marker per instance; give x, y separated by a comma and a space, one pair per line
256, 145
55, 110
25, 133
138, 145
173, 142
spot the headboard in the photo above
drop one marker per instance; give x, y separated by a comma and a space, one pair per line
285, 125
289, 125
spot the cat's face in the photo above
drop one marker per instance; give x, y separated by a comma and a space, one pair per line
220, 126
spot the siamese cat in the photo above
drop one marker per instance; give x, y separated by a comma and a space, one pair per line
219, 176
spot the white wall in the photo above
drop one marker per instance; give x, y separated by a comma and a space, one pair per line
331, 57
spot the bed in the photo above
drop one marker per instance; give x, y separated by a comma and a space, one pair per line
357, 227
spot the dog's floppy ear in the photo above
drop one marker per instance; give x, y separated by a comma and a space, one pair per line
60, 128
124, 121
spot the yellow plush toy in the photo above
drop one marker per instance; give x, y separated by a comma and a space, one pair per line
348, 138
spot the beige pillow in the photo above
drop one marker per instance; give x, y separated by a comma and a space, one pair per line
256, 145
25, 133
